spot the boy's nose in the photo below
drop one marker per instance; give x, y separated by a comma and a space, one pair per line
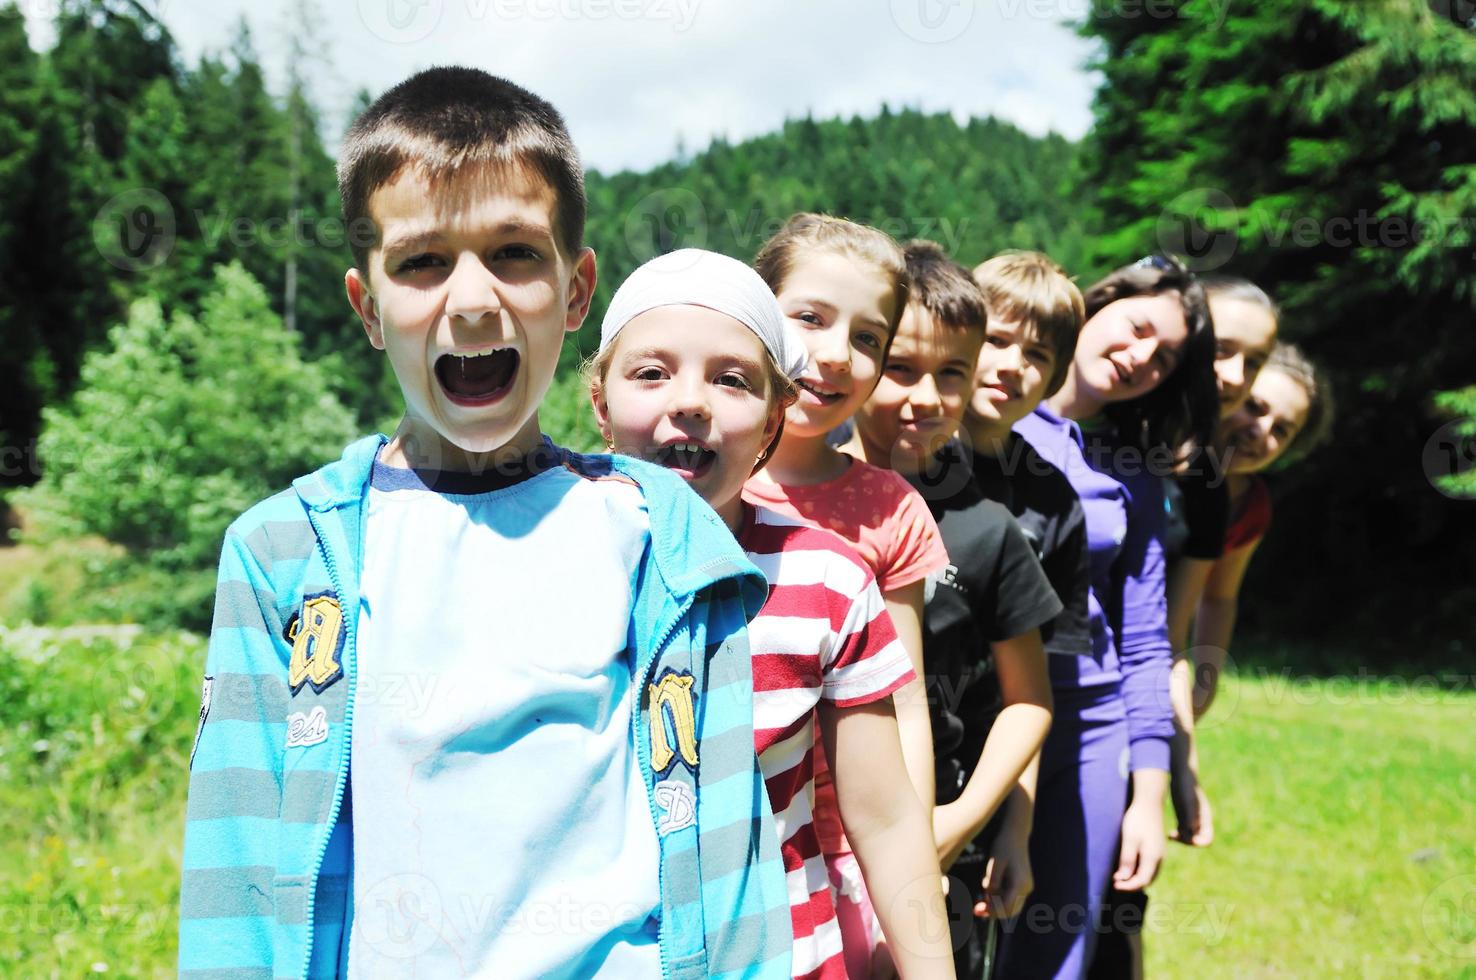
471, 290
925, 397
1010, 359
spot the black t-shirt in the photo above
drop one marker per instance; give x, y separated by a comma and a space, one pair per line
1048, 510
1206, 502
993, 589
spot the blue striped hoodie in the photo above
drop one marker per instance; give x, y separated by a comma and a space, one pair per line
267, 888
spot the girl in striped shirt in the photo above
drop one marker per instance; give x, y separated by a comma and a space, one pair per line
694, 373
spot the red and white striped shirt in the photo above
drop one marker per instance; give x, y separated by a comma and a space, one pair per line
824, 632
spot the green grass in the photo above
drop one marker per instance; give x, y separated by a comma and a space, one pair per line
1345, 836
1345, 820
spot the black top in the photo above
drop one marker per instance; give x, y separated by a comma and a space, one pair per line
1048, 510
1206, 503
993, 589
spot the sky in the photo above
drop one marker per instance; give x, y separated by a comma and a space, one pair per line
633, 77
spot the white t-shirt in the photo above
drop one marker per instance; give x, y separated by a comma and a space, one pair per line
500, 818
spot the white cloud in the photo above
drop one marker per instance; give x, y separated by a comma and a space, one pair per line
632, 75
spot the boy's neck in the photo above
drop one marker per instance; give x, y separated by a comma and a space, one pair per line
986, 436
878, 456
803, 460
418, 446
1073, 403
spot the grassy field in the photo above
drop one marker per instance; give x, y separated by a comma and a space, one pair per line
1346, 820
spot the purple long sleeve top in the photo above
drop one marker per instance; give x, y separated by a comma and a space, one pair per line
1124, 506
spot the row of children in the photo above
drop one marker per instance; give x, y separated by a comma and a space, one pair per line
915, 620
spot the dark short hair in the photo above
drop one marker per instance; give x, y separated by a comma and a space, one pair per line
944, 288
1185, 407
444, 120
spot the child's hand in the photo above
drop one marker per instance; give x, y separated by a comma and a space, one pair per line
1142, 846
1008, 878
1196, 826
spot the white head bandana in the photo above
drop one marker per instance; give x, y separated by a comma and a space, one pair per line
697, 277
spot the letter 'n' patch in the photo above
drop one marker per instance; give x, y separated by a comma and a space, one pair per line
317, 635
671, 699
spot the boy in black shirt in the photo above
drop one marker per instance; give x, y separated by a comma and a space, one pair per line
989, 692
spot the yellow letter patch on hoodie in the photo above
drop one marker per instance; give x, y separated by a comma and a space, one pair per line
316, 635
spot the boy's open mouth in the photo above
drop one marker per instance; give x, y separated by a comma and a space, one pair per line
688, 458
477, 379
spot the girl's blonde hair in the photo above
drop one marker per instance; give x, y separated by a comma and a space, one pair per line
808, 232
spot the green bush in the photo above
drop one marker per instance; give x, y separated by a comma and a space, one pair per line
95, 731
181, 423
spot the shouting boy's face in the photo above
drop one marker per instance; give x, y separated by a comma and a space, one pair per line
470, 295
920, 400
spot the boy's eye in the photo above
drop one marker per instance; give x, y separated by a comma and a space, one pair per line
414, 262
1041, 356
995, 340
517, 252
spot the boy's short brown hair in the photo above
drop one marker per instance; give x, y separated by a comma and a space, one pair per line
944, 288
1030, 289
445, 120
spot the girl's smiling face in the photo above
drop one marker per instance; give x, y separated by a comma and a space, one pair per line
1130, 346
842, 307
1257, 433
689, 388
1244, 335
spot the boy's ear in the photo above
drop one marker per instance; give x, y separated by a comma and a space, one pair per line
364, 304
581, 289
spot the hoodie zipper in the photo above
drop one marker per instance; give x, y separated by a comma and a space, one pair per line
351, 626
643, 751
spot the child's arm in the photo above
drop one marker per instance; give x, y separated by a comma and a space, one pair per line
1215, 626
1008, 877
1145, 659
1014, 739
1186, 582
905, 606
226, 918
889, 833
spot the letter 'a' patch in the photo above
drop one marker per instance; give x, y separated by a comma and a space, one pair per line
317, 635
671, 698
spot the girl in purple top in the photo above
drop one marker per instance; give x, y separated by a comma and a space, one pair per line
1141, 385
